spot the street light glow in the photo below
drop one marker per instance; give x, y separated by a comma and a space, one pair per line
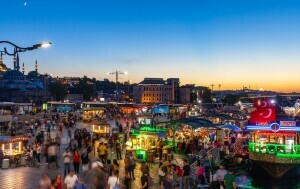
46, 44
41, 45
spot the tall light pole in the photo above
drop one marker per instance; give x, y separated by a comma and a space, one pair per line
117, 79
18, 49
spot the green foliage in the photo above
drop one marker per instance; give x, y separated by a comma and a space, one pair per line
231, 99
87, 88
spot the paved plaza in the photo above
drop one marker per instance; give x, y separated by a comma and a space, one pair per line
28, 177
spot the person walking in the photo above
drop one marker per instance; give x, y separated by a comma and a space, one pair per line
45, 182
67, 160
76, 161
186, 175
85, 160
113, 180
101, 152
70, 180
58, 181
229, 180
131, 165
118, 150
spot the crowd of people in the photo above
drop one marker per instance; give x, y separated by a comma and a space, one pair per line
91, 163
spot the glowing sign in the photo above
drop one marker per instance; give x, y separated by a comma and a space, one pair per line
287, 123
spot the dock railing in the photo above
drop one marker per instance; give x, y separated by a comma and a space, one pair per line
280, 150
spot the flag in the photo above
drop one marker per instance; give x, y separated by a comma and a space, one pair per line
265, 111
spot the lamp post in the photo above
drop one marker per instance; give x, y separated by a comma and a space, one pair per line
117, 78
18, 49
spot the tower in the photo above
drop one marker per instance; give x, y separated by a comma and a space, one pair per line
23, 69
1, 59
15, 62
18, 63
36, 66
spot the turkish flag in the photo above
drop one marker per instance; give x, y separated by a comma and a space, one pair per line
265, 111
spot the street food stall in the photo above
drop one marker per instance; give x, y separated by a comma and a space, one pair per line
93, 113
143, 142
12, 148
100, 128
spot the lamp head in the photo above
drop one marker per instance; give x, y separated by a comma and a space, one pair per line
41, 45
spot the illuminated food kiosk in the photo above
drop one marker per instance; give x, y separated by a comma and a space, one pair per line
143, 142
100, 128
274, 143
12, 146
93, 113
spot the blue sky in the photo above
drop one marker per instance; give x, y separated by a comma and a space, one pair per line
233, 43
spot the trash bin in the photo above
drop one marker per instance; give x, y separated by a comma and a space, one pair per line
5, 163
22, 161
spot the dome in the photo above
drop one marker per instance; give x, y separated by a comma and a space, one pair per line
13, 73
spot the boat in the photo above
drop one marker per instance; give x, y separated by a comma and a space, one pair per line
275, 141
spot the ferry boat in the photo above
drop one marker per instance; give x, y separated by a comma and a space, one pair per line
275, 142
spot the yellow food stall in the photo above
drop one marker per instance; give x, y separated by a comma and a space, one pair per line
100, 128
93, 113
12, 147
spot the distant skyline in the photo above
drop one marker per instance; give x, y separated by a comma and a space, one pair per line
232, 43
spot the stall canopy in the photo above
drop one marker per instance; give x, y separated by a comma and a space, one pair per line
197, 122
232, 127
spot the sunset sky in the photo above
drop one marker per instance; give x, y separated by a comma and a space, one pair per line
232, 43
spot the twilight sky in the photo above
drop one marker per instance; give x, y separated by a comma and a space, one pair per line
232, 43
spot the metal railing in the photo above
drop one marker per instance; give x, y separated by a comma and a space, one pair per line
283, 150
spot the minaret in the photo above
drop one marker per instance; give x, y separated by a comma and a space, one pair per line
1, 59
15, 62
23, 69
36, 66
18, 63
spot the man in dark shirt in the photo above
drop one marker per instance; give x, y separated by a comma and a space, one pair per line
144, 181
186, 175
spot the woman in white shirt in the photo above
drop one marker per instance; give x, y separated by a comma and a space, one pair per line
113, 180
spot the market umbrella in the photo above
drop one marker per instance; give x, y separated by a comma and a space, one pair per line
232, 127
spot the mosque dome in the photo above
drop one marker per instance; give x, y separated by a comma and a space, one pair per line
13, 74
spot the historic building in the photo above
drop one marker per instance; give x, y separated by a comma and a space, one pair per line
156, 90
15, 87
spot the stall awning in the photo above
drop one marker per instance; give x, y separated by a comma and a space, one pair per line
197, 122
231, 127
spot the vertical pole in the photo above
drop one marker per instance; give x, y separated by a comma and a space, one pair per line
117, 87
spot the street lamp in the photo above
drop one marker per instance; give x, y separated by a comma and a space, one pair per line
117, 77
18, 49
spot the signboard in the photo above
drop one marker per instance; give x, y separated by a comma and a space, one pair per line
263, 123
287, 123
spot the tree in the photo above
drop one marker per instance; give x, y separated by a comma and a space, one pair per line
58, 90
87, 88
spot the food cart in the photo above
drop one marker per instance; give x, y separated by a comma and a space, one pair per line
100, 128
12, 148
143, 142
92, 113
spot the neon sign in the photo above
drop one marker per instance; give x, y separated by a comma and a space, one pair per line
287, 123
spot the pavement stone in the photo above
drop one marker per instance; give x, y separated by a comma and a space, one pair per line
28, 177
